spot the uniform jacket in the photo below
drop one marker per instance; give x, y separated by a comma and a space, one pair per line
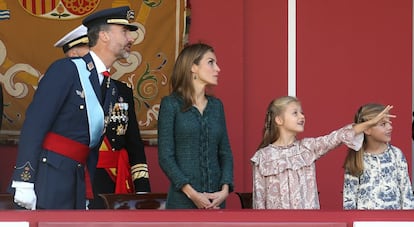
123, 132
58, 106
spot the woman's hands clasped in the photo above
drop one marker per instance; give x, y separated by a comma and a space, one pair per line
205, 200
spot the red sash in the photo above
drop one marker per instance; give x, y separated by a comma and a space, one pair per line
71, 149
66, 147
117, 160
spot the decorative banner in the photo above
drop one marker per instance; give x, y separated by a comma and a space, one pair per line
59, 9
29, 28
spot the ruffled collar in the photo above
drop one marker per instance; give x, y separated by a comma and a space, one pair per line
285, 146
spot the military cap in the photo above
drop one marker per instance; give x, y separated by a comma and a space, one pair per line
120, 15
76, 37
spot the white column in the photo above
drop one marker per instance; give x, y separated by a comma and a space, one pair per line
292, 47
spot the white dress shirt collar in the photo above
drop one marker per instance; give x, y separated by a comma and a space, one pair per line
99, 65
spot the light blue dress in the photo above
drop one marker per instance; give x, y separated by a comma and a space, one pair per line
384, 184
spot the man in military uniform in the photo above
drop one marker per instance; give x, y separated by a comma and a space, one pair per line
65, 122
75, 43
122, 166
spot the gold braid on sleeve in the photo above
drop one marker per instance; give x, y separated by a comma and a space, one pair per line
139, 171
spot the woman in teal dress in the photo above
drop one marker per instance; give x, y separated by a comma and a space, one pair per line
194, 150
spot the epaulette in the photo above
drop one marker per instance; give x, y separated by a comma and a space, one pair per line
127, 84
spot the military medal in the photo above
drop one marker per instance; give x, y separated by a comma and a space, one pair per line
119, 116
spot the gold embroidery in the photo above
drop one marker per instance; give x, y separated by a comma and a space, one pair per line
139, 171
25, 175
139, 167
138, 175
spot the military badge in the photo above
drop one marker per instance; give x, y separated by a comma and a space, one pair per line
26, 175
80, 93
130, 15
90, 66
119, 116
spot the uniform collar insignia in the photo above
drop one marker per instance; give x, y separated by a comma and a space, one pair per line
90, 66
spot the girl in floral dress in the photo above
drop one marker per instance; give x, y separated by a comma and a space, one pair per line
376, 175
284, 167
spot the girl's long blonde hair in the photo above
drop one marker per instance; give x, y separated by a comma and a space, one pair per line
276, 108
354, 162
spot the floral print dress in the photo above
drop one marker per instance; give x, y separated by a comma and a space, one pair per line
284, 177
384, 183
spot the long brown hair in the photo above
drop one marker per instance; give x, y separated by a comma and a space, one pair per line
354, 162
182, 78
276, 108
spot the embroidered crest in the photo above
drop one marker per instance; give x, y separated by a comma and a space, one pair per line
59, 9
26, 171
25, 175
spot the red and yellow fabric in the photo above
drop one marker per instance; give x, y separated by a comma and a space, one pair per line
116, 164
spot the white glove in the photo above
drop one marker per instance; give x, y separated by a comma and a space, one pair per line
25, 195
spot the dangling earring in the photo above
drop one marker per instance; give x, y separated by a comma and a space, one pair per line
195, 77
